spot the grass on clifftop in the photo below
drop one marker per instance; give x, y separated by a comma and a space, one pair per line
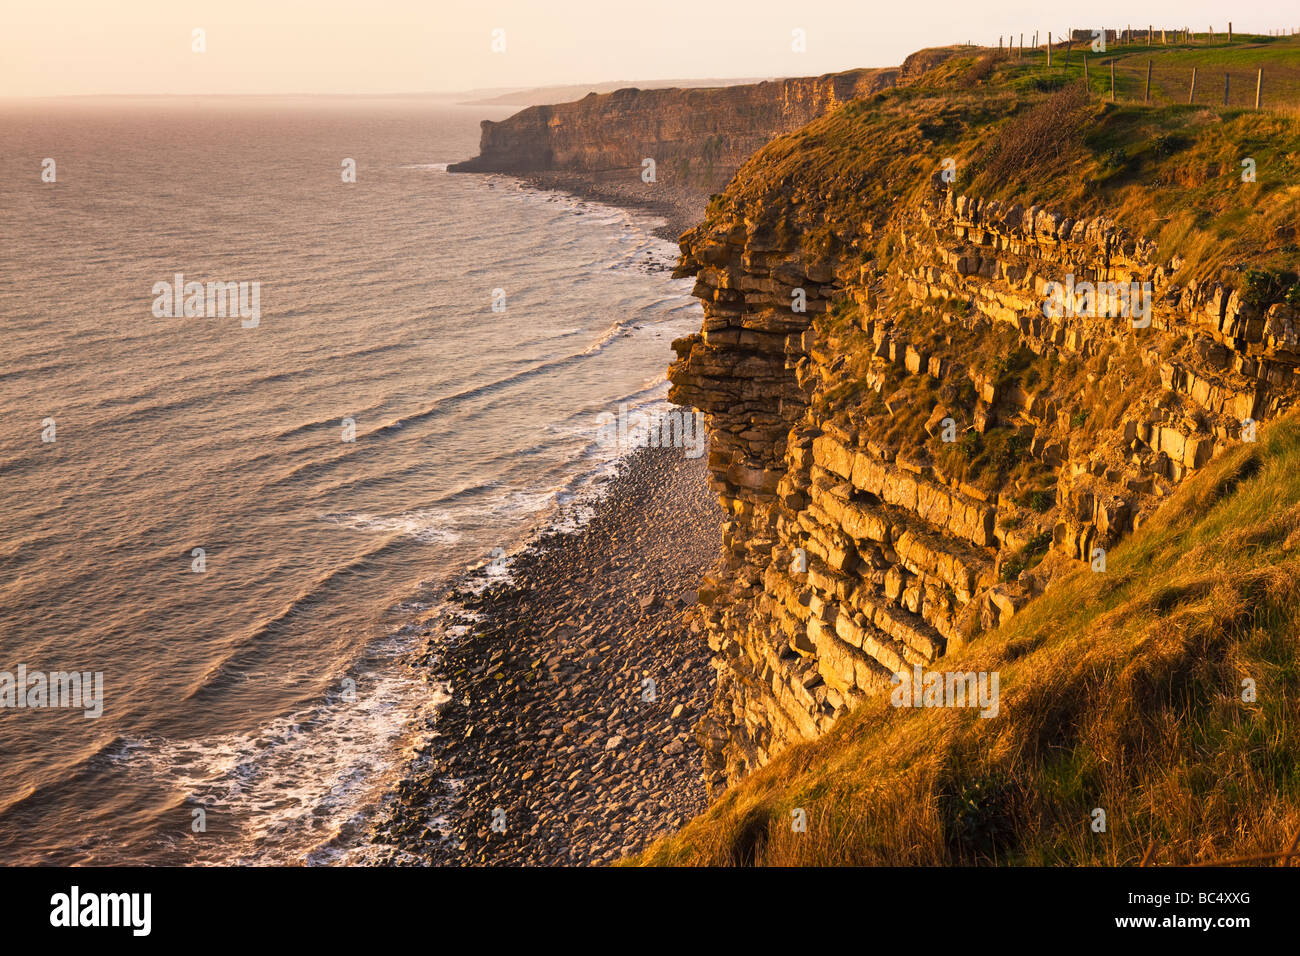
1022, 132
1120, 690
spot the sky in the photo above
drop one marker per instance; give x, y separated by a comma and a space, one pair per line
93, 47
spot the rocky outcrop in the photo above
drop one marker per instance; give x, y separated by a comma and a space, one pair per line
908, 447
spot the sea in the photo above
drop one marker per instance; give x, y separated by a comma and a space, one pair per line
236, 508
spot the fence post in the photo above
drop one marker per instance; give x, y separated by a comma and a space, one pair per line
1146, 97
1191, 95
1112, 81
1259, 83
1085, 71
1049, 49
1229, 31
1225, 89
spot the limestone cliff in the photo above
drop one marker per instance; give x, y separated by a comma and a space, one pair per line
697, 137
907, 443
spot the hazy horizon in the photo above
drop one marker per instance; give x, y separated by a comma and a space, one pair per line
445, 95
313, 49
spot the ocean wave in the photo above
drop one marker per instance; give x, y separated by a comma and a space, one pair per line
427, 527
616, 331
487, 388
224, 670
74, 766
299, 781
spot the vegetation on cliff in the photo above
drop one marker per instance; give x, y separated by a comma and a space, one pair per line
915, 467
1018, 130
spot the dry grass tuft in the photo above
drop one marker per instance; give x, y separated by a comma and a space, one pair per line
1037, 141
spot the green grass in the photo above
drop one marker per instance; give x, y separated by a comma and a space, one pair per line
1119, 690
1171, 71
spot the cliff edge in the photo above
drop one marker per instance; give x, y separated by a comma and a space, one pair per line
697, 138
962, 340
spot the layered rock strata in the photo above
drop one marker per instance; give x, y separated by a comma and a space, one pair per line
852, 550
697, 137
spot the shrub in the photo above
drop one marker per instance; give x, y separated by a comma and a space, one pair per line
1264, 287
1007, 449
1040, 500
981, 69
980, 819
1166, 144
1009, 364
1048, 83
1043, 135
1012, 567
1039, 544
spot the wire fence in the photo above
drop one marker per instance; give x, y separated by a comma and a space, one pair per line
1162, 84
1164, 67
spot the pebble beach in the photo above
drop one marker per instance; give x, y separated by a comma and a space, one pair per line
574, 682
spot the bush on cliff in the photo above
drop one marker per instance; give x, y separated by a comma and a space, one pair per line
1048, 134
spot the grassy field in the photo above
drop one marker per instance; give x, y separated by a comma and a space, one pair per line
1122, 691
1171, 70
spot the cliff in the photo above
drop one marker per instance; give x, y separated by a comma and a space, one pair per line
1144, 715
697, 138
927, 406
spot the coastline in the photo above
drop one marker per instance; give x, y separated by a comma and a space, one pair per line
551, 731
544, 664
681, 207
